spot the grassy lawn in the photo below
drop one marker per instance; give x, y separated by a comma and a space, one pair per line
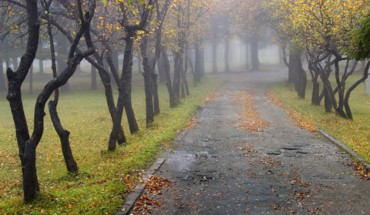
104, 176
354, 134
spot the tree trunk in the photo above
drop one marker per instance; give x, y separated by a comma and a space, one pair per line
106, 81
64, 139
167, 69
2, 78
124, 97
247, 58
127, 77
30, 76
214, 55
177, 76
155, 94
349, 91
147, 82
254, 52
315, 99
63, 134
327, 101
15, 80
201, 61
197, 64
295, 64
161, 72
30, 181
227, 53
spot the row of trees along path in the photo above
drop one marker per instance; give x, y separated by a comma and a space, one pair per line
164, 29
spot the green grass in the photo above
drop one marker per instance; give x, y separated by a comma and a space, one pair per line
354, 134
104, 176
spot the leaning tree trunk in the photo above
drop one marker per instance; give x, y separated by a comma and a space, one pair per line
349, 91
64, 138
63, 134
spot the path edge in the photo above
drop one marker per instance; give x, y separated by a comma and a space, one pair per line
344, 147
131, 198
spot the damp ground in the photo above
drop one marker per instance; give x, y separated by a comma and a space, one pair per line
216, 167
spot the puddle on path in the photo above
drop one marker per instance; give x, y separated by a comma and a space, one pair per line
180, 160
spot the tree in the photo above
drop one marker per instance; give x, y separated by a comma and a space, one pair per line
323, 27
63, 134
27, 143
250, 15
124, 97
149, 63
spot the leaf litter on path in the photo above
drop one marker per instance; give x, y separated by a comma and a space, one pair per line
249, 119
146, 203
298, 119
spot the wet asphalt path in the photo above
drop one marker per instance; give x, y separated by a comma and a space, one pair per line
217, 168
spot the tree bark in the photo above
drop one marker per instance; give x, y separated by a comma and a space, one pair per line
2, 77
197, 65
124, 97
349, 91
227, 53
148, 86
177, 76
214, 54
155, 94
295, 64
64, 138
167, 69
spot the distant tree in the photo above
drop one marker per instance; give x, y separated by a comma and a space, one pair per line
250, 15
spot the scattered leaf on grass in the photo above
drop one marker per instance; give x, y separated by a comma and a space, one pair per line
191, 123
298, 119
